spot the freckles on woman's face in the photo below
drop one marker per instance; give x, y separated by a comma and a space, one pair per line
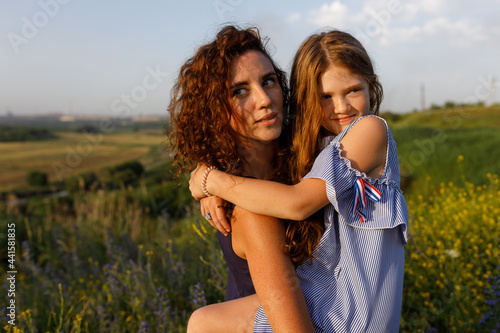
256, 97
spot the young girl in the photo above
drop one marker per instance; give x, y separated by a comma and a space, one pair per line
346, 161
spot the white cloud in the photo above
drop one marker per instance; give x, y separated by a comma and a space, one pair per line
404, 21
462, 33
334, 14
294, 17
401, 35
415, 9
458, 34
434, 7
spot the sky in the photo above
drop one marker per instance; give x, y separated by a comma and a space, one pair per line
121, 58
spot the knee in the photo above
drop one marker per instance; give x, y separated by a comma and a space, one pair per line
197, 322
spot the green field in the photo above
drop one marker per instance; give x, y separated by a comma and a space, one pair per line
140, 258
75, 153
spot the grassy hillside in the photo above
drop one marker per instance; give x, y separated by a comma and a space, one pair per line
449, 145
459, 117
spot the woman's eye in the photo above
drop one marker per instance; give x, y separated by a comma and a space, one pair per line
326, 96
238, 92
268, 82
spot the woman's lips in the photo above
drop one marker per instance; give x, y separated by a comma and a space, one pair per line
268, 120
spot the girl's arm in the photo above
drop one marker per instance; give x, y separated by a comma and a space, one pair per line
364, 145
293, 202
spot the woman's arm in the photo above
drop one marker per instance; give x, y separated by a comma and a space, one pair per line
278, 289
260, 240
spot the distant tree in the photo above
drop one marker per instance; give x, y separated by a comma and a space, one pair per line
10, 134
449, 105
83, 182
36, 178
88, 128
124, 177
135, 166
390, 116
126, 173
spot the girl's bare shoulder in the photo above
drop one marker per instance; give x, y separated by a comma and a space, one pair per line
368, 130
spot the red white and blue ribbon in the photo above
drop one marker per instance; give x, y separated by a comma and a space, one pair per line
363, 190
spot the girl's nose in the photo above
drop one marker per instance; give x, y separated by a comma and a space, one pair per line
341, 105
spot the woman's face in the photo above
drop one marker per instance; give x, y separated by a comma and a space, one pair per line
256, 97
344, 98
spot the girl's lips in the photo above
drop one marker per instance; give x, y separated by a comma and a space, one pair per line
344, 119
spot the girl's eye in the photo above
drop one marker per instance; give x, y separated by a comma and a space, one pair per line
356, 89
326, 96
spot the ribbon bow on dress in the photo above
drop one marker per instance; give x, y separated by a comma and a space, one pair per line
362, 190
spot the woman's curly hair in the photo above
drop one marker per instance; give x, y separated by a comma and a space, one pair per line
200, 110
200, 114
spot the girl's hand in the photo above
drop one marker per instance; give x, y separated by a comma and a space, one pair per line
212, 209
195, 181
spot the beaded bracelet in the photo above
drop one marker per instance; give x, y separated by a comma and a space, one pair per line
204, 180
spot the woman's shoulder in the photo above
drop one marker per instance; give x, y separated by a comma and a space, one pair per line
252, 221
253, 233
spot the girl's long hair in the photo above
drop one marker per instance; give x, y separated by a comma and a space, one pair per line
316, 54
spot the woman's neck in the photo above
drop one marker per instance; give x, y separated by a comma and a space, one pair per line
258, 159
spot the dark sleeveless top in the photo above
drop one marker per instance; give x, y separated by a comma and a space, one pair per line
239, 282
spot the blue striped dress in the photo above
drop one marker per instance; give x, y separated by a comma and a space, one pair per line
355, 282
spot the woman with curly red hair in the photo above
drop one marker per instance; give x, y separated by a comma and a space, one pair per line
227, 111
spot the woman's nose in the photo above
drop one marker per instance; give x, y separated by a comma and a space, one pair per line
262, 98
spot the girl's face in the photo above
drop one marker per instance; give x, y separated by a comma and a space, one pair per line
256, 97
344, 98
